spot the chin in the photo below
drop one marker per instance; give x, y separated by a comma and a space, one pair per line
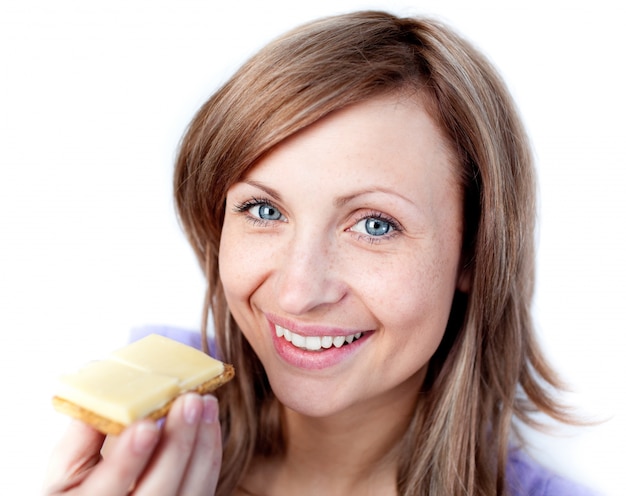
308, 398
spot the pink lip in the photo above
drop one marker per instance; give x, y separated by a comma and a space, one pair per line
313, 360
309, 330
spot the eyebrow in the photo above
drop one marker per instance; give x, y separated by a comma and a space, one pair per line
339, 202
343, 200
270, 191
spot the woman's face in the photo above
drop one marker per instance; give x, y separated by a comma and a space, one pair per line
340, 256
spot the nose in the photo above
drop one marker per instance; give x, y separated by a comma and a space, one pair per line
308, 275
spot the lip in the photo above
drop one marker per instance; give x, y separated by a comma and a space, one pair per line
313, 360
309, 330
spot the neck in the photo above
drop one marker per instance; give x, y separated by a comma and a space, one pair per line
344, 444
352, 452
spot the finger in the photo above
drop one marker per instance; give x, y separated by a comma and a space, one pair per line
166, 470
204, 465
128, 457
77, 452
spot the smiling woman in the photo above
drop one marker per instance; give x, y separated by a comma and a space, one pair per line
360, 196
360, 236
368, 175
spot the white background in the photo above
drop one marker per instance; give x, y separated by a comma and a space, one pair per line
94, 97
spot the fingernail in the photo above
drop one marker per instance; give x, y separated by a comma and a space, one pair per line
211, 409
145, 437
192, 408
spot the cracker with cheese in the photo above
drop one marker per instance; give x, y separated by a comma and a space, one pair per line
139, 381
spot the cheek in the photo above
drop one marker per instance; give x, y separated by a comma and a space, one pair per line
234, 264
415, 296
244, 265
410, 302
235, 268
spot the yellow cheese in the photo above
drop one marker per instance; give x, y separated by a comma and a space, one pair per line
117, 391
138, 379
161, 355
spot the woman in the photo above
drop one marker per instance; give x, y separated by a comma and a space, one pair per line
360, 196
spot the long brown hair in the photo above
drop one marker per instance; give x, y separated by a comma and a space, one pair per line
488, 368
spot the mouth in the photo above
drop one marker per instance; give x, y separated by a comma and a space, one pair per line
315, 343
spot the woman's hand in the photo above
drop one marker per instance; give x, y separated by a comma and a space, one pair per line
182, 458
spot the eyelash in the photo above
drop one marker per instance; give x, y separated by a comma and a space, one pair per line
248, 204
395, 227
245, 206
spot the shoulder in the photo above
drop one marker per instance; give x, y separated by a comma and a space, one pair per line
526, 477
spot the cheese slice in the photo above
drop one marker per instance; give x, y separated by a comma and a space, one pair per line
160, 355
117, 391
137, 380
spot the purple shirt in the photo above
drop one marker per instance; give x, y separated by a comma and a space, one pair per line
527, 478
524, 475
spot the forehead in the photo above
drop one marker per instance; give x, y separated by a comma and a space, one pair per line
390, 133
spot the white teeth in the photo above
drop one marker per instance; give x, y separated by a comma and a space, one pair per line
297, 340
315, 343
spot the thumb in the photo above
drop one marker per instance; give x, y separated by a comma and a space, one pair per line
76, 453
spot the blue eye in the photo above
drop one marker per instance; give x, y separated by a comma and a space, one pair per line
266, 211
374, 226
260, 211
377, 227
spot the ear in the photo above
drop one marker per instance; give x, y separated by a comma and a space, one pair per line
464, 279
